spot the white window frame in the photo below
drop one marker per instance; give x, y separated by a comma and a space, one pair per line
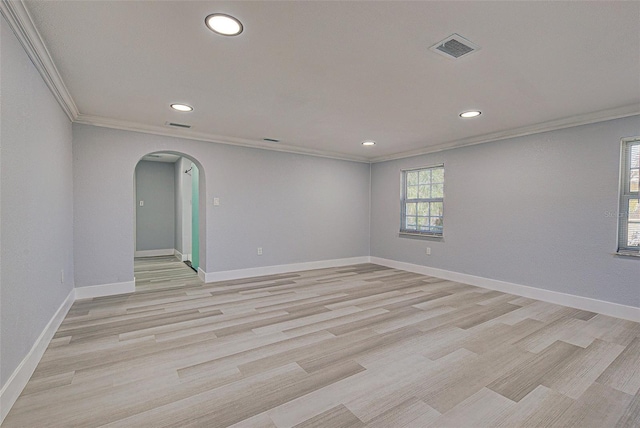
625, 196
415, 231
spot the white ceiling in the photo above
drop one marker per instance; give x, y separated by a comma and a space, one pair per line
324, 76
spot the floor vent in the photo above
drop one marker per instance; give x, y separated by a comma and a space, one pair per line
455, 46
179, 125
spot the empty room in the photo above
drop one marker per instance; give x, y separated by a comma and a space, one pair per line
319, 214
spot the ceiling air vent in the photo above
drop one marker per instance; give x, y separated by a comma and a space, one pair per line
454, 47
178, 125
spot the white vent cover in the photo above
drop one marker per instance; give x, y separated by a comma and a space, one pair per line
178, 125
455, 46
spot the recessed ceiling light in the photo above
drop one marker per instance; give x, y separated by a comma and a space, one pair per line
369, 143
181, 107
470, 114
223, 24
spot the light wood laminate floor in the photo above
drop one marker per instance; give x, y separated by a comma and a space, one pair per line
357, 346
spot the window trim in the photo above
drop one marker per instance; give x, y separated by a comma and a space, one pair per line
625, 195
416, 233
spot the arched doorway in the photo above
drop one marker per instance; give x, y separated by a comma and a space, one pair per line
169, 218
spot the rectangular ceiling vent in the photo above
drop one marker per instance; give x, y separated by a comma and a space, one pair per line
178, 125
455, 46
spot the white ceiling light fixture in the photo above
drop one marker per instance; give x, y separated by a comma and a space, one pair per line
222, 24
469, 114
181, 107
369, 143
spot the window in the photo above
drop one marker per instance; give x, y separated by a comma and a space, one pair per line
629, 217
423, 201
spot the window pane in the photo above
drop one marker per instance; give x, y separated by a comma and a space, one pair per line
436, 223
634, 209
410, 209
412, 192
437, 191
411, 222
424, 192
437, 175
425, 176
635, 156
423, 209
412, 178
633, 180
436, 208
633, 236
423, 223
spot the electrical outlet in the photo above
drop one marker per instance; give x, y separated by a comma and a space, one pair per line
259, 251
428, 251
216, 201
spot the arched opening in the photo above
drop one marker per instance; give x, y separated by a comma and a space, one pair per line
169, 219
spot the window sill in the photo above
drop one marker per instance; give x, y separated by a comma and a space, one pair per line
421, 235
634, 254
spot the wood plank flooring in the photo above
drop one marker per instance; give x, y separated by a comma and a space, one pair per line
357, 346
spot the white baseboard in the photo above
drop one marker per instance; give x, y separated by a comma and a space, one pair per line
617, 310
278, 269
202, 275
105, 290
154, 253
21, 375
180, 256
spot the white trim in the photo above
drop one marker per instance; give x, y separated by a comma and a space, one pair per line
102, 290
570, 122
190, 134
23, 27
12, 389
617, 310
180, 256
584, 119
277, 269
154, 253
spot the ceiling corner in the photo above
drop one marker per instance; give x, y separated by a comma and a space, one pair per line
18, 18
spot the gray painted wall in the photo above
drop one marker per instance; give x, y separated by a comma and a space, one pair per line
155, 220
298, 208
534, 210
36, 208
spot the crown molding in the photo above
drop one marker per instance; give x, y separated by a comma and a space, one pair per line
19, 19
189, 134
584, 119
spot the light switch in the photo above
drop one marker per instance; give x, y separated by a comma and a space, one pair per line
142, 203
216, 201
